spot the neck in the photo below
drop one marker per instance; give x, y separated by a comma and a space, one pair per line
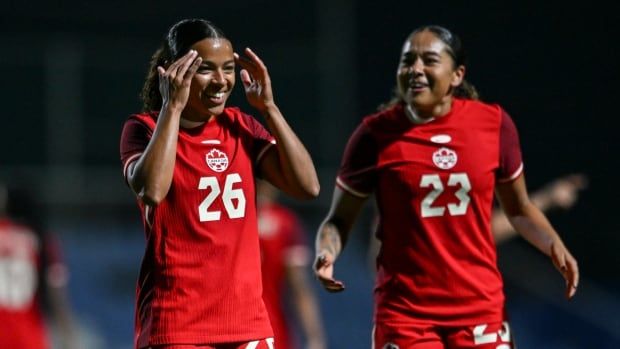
194, 117
185, 123
436, 111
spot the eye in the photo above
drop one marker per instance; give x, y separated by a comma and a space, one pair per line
204, 69
432, 59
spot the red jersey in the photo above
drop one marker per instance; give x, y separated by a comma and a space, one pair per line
200, 279
434, 183
282, 245
21, 316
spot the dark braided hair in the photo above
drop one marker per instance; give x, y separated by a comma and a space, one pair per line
177, 42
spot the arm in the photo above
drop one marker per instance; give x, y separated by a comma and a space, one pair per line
62, 316
306, 306
532, 224
333, 234
150, 176
290, 167
561, 193
56, 279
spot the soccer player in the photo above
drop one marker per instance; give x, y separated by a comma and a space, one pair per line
33, 278
284, 258
434, 158
191, 162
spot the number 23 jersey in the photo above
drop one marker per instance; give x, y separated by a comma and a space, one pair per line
434, 183
200, 279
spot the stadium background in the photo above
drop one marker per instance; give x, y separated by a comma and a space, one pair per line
72, 71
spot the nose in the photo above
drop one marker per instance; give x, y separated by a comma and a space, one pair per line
218, 77
418, 66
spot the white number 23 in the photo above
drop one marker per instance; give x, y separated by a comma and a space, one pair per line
434, 181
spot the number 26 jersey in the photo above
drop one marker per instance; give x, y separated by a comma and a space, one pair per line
200, 279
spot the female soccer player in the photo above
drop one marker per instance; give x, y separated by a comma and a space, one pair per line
433, 159
191, 161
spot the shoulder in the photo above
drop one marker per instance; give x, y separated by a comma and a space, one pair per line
480, 112
235, 116
385, 119
478, 106
148, 119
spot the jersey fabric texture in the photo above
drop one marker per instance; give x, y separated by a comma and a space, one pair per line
283, 245
21, 263
200, 280
434, 184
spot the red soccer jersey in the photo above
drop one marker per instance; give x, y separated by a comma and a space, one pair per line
434, 185
21, 318
200, 279
282, 244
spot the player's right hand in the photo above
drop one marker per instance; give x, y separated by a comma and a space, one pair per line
324, 271
175, 82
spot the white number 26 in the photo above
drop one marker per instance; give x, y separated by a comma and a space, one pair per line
228, 196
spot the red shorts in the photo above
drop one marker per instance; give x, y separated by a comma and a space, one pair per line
483, 336
266, 343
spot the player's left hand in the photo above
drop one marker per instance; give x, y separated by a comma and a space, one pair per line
324, 271
567, 265
256, 80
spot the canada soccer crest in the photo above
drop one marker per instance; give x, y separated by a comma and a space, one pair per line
445, 158
390, 346
217, 160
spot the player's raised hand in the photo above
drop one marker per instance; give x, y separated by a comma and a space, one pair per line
174, 82
255, 79
324, 271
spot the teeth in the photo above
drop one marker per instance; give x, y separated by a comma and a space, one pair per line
217, 95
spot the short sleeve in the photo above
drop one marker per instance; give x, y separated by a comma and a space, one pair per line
263, 140
134, 139
358, 170
510, 162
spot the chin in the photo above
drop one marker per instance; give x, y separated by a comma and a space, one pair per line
217, 110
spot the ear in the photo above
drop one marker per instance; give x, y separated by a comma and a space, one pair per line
458, 75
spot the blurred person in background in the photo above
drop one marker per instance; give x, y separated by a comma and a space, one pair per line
33, 278
192, 162
285, 256
434, 157
561, 193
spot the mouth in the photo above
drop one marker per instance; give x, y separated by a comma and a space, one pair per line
217, 97
418, 86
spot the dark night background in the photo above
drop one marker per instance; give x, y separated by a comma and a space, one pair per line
72, 72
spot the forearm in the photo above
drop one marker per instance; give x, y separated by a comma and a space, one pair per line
329, 239
62, 317
532, 224
294, 160
152, 174
306, 306
310, 321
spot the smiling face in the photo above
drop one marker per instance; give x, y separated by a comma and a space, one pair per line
427, 75
214, 80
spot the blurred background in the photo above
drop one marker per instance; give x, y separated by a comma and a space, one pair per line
72, 71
